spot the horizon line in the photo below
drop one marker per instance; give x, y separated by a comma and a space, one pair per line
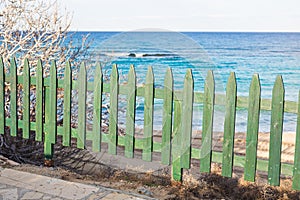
182, 31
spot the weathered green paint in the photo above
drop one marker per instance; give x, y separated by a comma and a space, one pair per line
252, 129
130, 114
148, 116
242, 102
167, 118
13, 98
26, 99
229, 126
113, 114
48, 150
276, 132
39, 102
50, 113
262, 165
180, 140
53, 105
97, 109
67, 105
176, 142
207, 123
48, 146
296, 169
81, 139
186, 120
2, 98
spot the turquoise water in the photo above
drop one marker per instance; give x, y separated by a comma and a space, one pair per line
269, 54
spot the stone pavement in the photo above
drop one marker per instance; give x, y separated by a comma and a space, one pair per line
22, 185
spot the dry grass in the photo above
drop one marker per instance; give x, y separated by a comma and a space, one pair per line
207, 186
79, 165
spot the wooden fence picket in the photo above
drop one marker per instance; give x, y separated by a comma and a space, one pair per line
52, 128
39, 107
274, 166
50, 113
229, 126
26, 100
187, 119
130, 113
296, 169
82, 93
148, 116
207, 123
113, 114
97, 108
176, 142
67, 105
2, 97
167, 118
13, 98
252, 129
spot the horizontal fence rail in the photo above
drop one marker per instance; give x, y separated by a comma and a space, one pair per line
176, 144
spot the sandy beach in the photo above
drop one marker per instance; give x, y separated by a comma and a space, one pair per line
288, 143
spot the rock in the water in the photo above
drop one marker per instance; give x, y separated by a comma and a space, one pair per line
132, 55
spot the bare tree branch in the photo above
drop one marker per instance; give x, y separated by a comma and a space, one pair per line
35, 29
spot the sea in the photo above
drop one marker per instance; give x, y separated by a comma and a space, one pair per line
245, 53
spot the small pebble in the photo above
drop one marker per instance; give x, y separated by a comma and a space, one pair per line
144, 191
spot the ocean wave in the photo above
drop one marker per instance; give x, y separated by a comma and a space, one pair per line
158, 55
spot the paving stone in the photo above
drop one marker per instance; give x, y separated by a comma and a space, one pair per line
46, 197
118, 196
22, 185
98, 195
8, 194
32, 195
47, 185
22, 191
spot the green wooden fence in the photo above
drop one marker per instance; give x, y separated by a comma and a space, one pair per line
175, 147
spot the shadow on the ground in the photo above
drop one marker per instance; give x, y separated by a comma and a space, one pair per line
83, 166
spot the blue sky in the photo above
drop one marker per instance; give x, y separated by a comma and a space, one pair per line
185, 15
